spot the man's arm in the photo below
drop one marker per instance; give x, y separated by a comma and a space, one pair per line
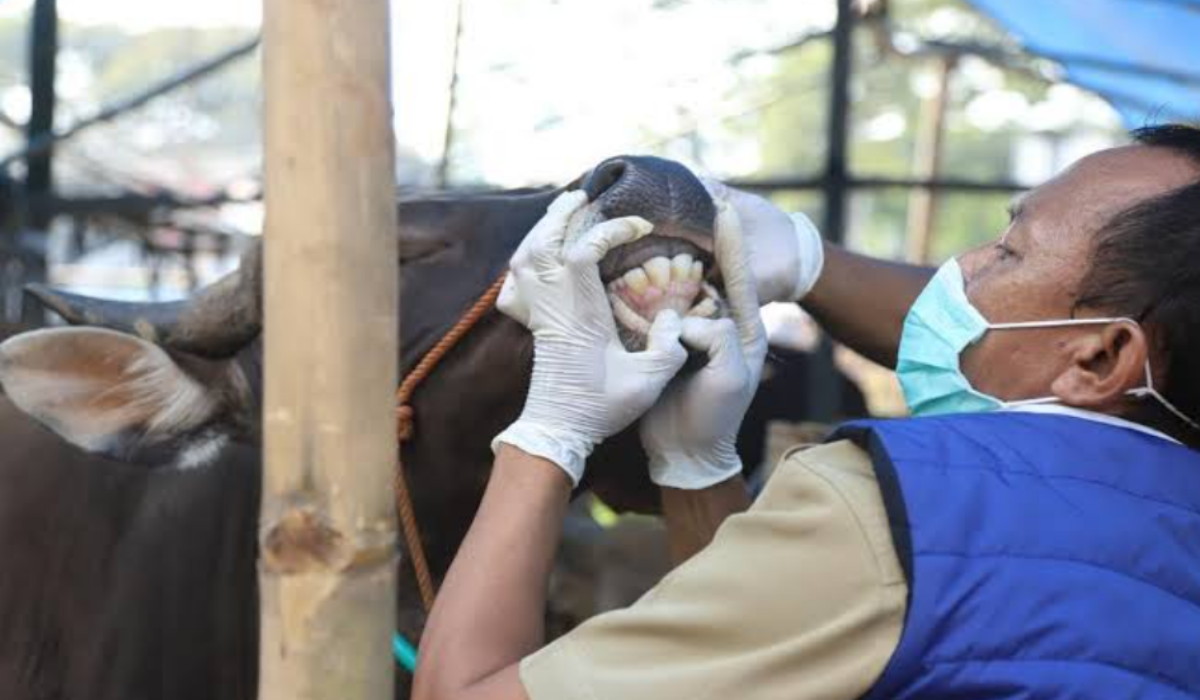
693, 516
489, 613
862, 301
801, 596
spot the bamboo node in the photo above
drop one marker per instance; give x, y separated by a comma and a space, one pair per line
300, 541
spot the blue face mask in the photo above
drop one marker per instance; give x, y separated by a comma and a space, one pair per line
941, 324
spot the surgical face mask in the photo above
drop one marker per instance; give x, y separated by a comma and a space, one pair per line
941, 324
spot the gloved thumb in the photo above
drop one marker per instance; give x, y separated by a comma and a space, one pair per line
511, 303
662, 342
717, 338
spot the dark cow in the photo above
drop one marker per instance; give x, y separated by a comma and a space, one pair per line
129, 478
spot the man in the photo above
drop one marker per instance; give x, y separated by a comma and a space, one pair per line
1033, 532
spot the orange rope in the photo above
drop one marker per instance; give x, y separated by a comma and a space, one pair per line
404, 432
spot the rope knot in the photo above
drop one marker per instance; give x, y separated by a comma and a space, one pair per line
404, 423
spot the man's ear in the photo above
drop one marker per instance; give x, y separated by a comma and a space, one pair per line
99, 389
1104, 365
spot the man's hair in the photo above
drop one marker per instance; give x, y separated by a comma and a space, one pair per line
1146, 265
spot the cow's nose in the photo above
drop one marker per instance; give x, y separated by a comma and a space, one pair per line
604, 176
656, 189
664, 192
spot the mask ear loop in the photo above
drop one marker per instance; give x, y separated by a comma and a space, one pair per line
1059, 323
1031, 402
1149, 390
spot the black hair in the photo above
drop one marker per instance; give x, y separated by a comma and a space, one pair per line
1146, 265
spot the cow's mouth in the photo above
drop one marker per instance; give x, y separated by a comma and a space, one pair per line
673, 267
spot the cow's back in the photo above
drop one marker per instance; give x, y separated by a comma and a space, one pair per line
120, 582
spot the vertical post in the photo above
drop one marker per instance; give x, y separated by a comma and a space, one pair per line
923, 202
43, 59
327, 533
443, 166
825, 391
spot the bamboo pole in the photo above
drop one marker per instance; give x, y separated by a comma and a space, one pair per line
327, 530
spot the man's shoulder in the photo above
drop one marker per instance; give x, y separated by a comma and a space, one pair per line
839, 455
838, 476
842, 463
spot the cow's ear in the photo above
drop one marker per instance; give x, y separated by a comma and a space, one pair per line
99, 389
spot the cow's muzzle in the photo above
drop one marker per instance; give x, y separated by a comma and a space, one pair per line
673, 267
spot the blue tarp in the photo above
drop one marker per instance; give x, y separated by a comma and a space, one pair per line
1143, 56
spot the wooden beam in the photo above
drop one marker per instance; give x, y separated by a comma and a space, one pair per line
931, 141
327, 532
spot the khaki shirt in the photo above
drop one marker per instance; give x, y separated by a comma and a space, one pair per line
801, 596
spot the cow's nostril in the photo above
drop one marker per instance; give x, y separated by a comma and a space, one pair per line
603, 177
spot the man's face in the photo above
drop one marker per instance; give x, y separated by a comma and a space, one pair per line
1033, 271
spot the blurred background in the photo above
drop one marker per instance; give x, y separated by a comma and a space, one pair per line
131, 140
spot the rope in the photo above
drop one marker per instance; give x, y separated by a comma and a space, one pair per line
404, 432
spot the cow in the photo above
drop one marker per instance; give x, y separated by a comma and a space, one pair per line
130, 473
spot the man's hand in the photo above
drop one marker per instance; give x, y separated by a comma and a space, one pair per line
690, 434
786, 252
585, 385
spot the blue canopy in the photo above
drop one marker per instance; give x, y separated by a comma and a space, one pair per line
1143, 56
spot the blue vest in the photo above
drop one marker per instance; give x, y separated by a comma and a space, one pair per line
1047, 557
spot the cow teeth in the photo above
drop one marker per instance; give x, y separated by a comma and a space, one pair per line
710, 291
681, 267
659, 271
707, 308
637, 280
628, 317
697, 271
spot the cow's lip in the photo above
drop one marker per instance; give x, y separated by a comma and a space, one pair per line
632, 255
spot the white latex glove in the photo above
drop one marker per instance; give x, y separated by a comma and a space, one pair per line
786, 251
586, 386
690, 435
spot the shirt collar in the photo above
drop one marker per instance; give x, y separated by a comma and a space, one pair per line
1059, 409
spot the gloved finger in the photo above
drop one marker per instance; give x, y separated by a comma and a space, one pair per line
595, 243
511, 303
544, 243
716, 338
740, 287
662, 344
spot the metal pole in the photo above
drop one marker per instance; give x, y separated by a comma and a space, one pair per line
39, 178
867, 183
825, 390
43, 54
327, 530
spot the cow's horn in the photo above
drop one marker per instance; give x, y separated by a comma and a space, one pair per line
215, 322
